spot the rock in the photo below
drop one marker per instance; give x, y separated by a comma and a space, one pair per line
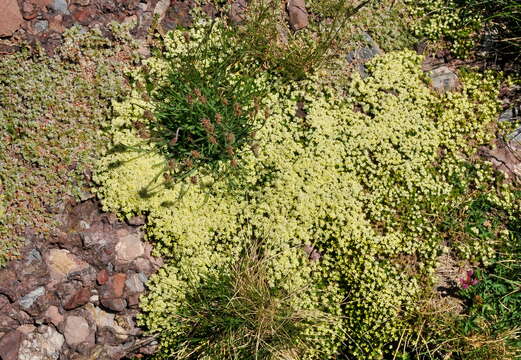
363, 54
53, 315
444, 79
511, 114
102, 277
80, 298
130, 20
10, 344
114, 304
40, 26
61, 263
137, 220
26, 329
134, 284
312, 253
42, 345
143, 265
237, 12
117, 284
34, 256
160, 9
298, 15
27, 301
129, 247
10, 17
85, 16
55, 24
8, 322
76, 330
93, 238
29, 10
60, 7
104, 319
81, 2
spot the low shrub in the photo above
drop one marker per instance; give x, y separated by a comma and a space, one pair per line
467, 23
51, 112
359, 181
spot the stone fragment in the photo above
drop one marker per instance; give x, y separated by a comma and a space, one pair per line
60, 7
137, 220
104, 319
81, 2
27, 301
102, 277
134, 283
40, 26
10, 17
444, 79
298, 15
143, 265
26, 329
10, 344
160, 9
76, 330
129, 247
237, 12
61, 263
29, 10
117, 284
53, 315
42, 345
55, 24
114, 304
80, 298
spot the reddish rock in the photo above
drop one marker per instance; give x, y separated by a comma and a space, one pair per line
29, 11
42, 3
10, 17
117, 284
102, 277
10, 344
80, 298
84, 15
53, 315
55, 24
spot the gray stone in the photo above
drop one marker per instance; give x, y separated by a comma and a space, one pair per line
76, 330
134, 284
40, 26
444, 79
511, 114
363, 54
34, 256
129, 247
60, 6
27, 301
42, 345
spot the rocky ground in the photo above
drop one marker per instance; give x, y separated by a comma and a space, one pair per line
75, 296
44, 21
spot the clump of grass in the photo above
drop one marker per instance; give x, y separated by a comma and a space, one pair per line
238, 314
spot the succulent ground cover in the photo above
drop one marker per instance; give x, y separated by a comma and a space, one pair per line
348, 195
303, 206
52, 111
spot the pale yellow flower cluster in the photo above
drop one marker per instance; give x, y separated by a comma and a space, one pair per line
359, 181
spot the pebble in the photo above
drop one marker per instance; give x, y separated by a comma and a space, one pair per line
27, 301
129, 247
76, 330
